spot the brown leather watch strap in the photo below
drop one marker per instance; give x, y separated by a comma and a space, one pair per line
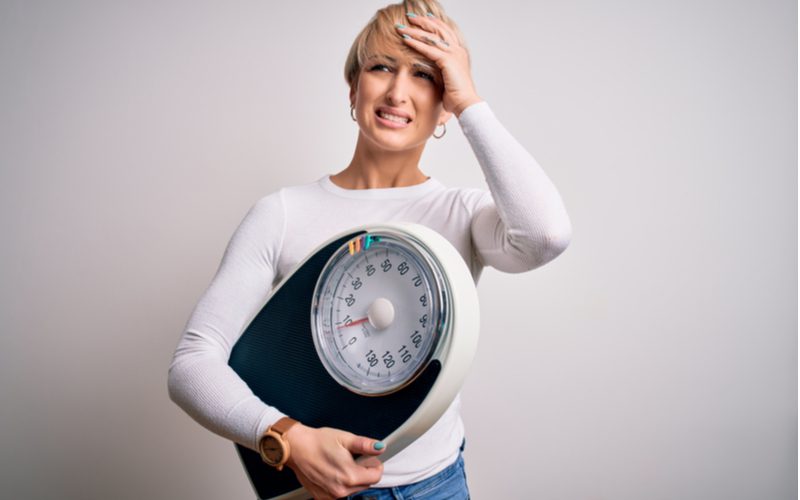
283, 425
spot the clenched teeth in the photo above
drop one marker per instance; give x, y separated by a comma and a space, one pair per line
393, 118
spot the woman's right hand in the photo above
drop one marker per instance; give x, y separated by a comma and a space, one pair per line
322, 459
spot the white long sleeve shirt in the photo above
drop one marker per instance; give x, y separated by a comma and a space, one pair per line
516, 226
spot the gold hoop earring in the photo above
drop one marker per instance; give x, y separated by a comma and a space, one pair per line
352, 111
444, 131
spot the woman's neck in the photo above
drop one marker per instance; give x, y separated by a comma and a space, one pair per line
373, 168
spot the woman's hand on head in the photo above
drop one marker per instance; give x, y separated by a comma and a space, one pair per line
435, 40
322, 459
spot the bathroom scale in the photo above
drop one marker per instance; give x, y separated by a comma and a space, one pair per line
372, 333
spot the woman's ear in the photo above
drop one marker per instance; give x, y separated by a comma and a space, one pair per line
352, 96
444, 116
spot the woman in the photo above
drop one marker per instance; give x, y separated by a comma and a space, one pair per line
408, 73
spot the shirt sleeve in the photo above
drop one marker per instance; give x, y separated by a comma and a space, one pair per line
200, 380
521, 223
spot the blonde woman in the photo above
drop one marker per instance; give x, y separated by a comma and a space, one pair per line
409, 75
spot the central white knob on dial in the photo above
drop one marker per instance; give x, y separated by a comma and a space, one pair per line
381, 313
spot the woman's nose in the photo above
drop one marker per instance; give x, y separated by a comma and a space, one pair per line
398, 89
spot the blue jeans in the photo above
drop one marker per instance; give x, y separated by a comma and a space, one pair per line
450, 483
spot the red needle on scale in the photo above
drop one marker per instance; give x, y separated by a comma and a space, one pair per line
356, 322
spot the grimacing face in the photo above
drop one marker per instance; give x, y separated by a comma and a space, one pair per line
398, 100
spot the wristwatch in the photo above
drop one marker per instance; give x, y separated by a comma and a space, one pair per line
273, 447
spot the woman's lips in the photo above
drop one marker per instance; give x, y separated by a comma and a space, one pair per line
390, 123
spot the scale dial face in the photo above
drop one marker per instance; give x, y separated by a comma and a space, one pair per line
379, 310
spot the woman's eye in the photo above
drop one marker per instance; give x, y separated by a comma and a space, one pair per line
379, 67
427, 76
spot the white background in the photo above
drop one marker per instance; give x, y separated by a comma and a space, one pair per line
655, 359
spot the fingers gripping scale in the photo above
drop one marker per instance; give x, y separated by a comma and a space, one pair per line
372, 333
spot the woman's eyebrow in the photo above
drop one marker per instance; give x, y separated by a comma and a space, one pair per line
423, 65
418, 64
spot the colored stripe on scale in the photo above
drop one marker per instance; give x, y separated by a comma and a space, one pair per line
364, 241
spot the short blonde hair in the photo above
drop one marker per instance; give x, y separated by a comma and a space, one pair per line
380, 34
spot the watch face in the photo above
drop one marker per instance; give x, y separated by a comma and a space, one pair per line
271, 450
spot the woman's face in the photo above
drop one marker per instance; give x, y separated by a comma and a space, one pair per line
398, 101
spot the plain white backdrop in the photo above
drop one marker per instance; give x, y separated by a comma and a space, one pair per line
655, 359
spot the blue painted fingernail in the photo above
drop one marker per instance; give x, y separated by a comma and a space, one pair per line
430, 14
379, 445
399, 26
406, 36
411, 14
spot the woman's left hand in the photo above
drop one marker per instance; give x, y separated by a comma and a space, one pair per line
432, 38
